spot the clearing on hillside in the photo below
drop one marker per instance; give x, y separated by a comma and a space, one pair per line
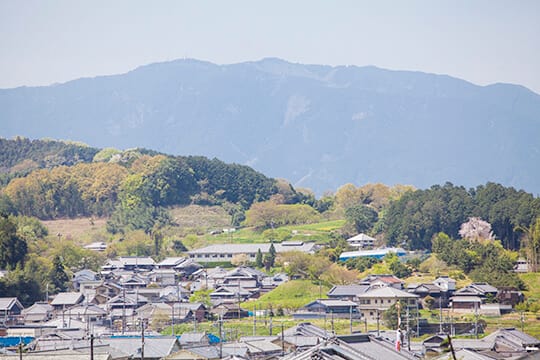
78, 229
201, 217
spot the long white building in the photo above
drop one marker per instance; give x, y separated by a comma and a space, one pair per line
225, 252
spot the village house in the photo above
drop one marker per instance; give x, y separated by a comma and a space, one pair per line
37, 313
65, 300
10, 310
361, 241
347, 292
383, 280
375, 301
339, 308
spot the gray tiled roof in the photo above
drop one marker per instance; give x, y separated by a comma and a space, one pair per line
348, 290
154, 347
387, 292
172, 261
252, 248
7, 303
67, 298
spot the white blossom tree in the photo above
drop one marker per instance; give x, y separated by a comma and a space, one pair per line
476, 229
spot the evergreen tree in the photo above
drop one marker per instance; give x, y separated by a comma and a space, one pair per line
272, 253
58, 275
270, 258
259, 259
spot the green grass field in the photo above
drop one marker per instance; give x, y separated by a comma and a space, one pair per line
318, 232
289, 296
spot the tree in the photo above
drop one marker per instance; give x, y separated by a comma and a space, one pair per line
339, 275
531, 244
390, 316
13, 248
18, 284
266, 215
58, 275
476, 229
202, 296
362, 217
259, 259
396, 266
270, 258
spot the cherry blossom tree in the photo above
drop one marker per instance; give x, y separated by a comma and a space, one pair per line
476, 229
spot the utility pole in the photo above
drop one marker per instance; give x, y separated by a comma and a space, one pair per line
91, 346
350, 319
282, 340
220, 336
142, 339
417, 320
408, 331
124, 310
254, 320
378, 318
440, 316
21, 349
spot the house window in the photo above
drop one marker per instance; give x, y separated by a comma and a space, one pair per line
389, 301
375, 301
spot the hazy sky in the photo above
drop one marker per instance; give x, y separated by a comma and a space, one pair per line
43, 42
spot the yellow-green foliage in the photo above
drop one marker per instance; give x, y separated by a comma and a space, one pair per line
265, 215
289, 296
532, 281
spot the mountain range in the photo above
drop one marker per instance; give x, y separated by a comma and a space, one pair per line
317, 126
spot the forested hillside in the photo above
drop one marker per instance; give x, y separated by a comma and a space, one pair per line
130, 186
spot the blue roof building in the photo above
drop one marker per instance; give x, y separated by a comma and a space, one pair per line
375, 253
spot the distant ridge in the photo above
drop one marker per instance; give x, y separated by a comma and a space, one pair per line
317, 126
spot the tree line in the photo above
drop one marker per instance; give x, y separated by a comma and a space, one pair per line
417, 216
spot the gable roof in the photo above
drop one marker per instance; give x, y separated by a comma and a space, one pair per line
253, 248
154, 347
387, 292
333, 303
348, 290
38, 308
172, 261
361, 237
67, 298
513, 335
137, 261
8, 303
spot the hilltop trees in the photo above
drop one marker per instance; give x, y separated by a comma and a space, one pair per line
118, 182
417, 216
